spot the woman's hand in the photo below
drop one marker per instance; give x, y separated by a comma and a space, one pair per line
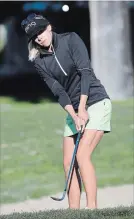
78, 123
83, 115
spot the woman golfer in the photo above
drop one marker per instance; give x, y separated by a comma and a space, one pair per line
63, 62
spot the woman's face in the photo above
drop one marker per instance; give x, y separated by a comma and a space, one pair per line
45, 38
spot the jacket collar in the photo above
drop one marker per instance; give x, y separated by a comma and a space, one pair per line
43, 51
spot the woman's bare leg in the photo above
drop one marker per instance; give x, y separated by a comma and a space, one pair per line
74, 191
87, 145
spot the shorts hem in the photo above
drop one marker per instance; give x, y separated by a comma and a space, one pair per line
74, 133
98, 129
71, 134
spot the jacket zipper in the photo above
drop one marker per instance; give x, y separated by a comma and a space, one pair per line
58, 62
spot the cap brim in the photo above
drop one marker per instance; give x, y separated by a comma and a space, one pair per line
36, 33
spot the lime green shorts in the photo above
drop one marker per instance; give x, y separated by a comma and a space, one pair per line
99, 118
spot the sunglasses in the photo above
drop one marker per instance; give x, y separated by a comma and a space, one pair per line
29, 18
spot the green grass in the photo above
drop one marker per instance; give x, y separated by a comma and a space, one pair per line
115, 213
31, 149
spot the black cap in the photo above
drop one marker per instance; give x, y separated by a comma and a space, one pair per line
34, 25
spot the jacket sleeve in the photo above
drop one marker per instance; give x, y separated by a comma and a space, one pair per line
55, 87
81, 59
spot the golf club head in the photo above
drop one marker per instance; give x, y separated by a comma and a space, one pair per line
59, 199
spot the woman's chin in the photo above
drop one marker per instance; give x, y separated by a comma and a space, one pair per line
45, 44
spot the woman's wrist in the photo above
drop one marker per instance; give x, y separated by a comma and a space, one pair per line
81, 107
70, 110
82, 104
73, 115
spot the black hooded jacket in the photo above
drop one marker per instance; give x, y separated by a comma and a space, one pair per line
67, 71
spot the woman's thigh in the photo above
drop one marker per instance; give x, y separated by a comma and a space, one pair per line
88, 143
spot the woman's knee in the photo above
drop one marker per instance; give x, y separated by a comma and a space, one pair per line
87, 145
82, 158
67, 163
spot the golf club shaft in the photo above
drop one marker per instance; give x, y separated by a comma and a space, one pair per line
71, 167
72, 161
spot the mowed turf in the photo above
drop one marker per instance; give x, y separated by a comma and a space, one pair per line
31, 149
107, 213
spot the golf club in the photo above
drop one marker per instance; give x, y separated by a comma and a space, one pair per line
71, 167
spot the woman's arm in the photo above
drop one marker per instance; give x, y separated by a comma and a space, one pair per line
75, 117
81, 59
83, 100
56, 88
59, 92
82, 112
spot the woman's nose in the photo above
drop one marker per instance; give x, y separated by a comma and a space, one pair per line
39, 38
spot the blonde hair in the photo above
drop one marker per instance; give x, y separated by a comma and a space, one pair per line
33, 51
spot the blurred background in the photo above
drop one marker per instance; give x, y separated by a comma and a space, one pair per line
107, 28
18, 76
31, 120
